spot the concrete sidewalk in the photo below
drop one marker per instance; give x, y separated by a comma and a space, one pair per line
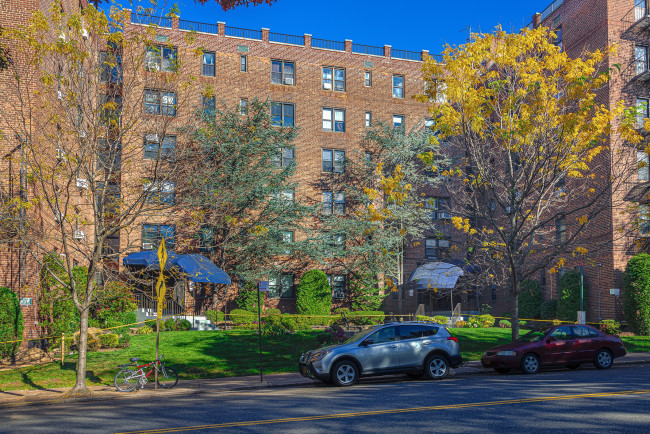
17, 398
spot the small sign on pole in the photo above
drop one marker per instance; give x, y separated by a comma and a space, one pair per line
615, 291
263, 285
161, 289
25, 301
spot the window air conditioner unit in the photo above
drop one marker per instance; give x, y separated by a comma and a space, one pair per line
288, 81
62, 36
82, 133
82, 183
59, 95
152, 138
60, 154
84, 33
79, 235
327, 86
147, 246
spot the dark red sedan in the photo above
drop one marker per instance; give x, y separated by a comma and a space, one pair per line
563, 345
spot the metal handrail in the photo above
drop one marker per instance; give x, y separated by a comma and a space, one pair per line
286, 39
404, 54
327, 44
195, 26
367, 49
148, 20
238, 32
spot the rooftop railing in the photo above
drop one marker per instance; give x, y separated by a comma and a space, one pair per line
286, 39
404, 54
327, 44
238, 32
194, 26
367, 49
151, 20
551, 8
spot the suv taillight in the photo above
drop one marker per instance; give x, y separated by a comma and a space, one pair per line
451, 338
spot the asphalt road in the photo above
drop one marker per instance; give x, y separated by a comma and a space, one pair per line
585, 400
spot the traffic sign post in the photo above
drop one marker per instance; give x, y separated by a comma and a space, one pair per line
262, 286
161, 289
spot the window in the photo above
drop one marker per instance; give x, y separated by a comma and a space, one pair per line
367, 78
157, 102
208, 106
206, 239
287, 239
333, 203
560, 230
642, 165
582, 332
439, 207
152, 235
153, 147
334, 120
335, 76
562, 333
110, 111
428, 124
398, 121
641, 111
243, 63
641, 58
208, 68
644, 219
494, 292
160, 58
383, 335
243, 106
368, 119
435, 248
159, 192
640, 9
415, 332
284, 158
109, 155
281, 286
284, 196
333, 161
282, 114
558, 37
398, 86
337, 282
282, 72
335, 243
108, 199
108, 73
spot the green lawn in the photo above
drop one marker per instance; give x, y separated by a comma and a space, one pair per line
214, 354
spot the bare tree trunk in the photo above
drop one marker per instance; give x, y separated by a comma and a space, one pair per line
514, 310
80, 386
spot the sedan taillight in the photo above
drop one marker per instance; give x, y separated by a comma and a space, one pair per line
451, 338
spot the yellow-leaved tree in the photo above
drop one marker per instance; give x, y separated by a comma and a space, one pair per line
536, 160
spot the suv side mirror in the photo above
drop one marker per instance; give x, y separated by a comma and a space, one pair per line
367, 342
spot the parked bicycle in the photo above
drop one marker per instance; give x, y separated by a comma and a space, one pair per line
133, 375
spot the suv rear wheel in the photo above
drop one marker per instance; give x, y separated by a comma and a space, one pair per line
345, 373
436, 367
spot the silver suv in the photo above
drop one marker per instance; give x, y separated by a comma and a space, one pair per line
413, 348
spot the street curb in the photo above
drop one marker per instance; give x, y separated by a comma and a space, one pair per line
196, 390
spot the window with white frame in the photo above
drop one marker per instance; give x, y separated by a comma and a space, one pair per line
333, 78
367, 78
159, 192
333, 161
333, 203
333, 119
435, 248
282, 114
208, 67
283, 72
152, 234
644, 219
439, 208
642, 114
283, 158
337, 282
286, 196
160, 58
158, 102
281, 285
641, 58
643, 169
209, 105
368, 119
287, 240
153, 146
398, 86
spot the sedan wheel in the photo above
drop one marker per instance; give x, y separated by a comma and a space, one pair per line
603, 359
345, 373
436, 367
530, 364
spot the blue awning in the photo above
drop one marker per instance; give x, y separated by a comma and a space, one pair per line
196, 268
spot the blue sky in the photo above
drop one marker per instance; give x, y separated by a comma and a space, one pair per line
409, 25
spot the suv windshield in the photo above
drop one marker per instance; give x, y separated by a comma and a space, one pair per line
534, 335
360, 335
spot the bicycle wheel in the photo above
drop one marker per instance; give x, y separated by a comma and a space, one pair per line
167, 377
126, 380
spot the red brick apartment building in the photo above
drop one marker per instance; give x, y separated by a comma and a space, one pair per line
590, 25
332, 90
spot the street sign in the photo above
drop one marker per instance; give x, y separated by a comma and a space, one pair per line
161, 288
263, 285
24, 301
615, 291
162, 255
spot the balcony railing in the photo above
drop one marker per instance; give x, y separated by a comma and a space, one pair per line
407, 55
286, 39
243, 33
194, 26
327, 44
367, 49
151, 20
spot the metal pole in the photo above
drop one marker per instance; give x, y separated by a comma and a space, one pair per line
581, 290
259, 329
599, 316
157, 340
